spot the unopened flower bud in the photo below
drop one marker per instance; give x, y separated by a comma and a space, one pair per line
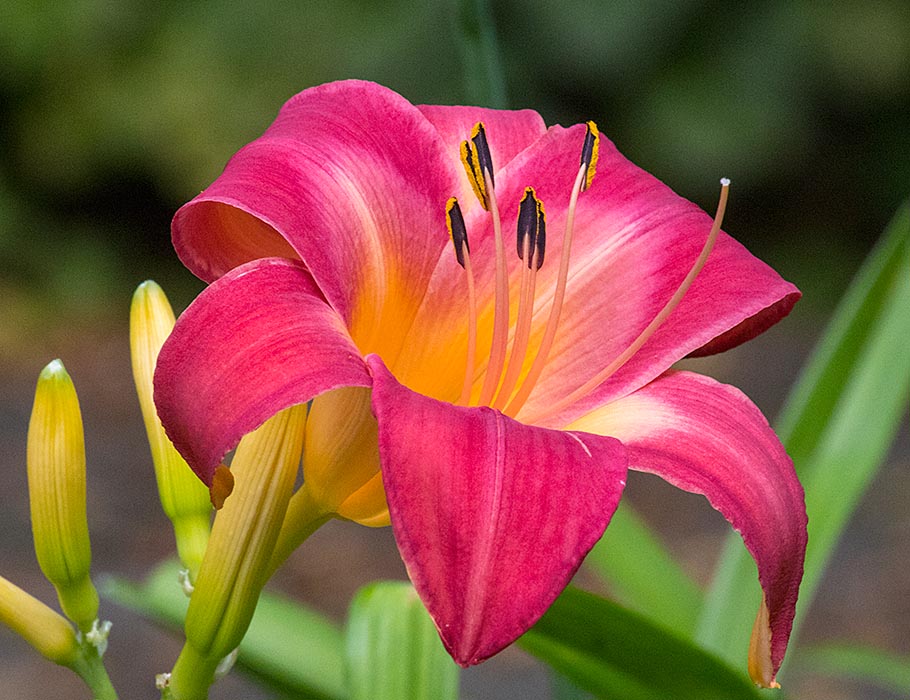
235, 567
184, 498
46, 630
56, 486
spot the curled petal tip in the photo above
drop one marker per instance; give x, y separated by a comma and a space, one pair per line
222, 486
761, 668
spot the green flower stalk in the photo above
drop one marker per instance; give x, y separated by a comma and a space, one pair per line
56, 486
184, 498
46, 630
236, 563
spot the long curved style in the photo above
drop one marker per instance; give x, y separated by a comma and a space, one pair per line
333, 280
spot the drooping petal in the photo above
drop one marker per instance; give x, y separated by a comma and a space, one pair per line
492, 517
708, 438
256, 341
355, 179
635, 240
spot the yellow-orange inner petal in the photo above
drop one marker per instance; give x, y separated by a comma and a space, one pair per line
341, 456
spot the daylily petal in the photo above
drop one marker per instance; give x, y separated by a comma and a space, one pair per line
635, 240
492, 517
355, 179
258, 340
708, 438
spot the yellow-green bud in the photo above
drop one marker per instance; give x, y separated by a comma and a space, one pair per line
236, 563
46, 630
184, 498
56, 487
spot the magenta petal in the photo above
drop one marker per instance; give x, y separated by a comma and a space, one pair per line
492, 517
256, 341
509, 132
352, 179
709, 438
635, 240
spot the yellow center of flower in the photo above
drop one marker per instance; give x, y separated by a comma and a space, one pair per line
503, 386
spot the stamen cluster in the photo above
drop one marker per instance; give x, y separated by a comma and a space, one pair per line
503, 387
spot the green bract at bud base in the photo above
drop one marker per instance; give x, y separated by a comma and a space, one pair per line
184, 498
56, 486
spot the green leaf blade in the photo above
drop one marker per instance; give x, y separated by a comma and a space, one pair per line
616, 653
859, 664
392, 648
643, 575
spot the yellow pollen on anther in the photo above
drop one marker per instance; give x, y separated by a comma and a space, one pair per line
469, 160
590, 153
478, 164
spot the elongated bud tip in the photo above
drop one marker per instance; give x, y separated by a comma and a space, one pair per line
149, 286
150, 314
54, 370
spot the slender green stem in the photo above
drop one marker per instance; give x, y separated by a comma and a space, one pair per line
90, 668
191, 677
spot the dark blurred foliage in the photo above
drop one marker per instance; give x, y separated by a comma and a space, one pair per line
114, 113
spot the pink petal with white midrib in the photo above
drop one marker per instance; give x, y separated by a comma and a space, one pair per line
492, 517
709, 438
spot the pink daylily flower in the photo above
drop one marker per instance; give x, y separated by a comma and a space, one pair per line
501, 446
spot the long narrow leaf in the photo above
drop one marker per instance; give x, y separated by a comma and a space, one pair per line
643, 575
392, 648
616, 653
860, 664
291, 648
838, 425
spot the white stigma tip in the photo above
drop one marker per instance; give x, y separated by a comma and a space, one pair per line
725, 182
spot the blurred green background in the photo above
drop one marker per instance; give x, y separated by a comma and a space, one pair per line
112, 114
